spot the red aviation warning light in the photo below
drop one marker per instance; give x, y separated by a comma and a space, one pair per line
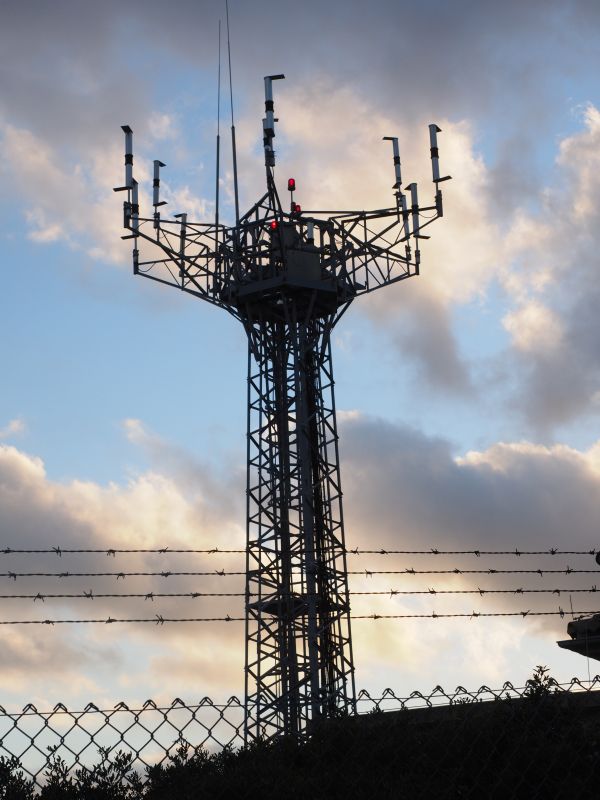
273, 225
291, 185
296, 209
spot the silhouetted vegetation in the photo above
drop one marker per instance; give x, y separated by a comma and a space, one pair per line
545, 745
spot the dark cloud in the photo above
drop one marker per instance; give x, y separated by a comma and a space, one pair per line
425, 335
511, 495
61, 75
407, 491
68, 65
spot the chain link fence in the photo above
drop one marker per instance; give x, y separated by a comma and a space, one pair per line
538, 741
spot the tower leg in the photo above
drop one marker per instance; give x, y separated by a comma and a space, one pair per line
299, 665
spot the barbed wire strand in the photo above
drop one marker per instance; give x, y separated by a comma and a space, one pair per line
474, 614
479, 591
91, 595
365, 572
158, 619
552, 551
112, 551
165, 574
491, 571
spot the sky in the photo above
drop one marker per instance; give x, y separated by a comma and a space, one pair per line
468, 398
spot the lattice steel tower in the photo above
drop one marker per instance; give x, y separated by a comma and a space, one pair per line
288, 276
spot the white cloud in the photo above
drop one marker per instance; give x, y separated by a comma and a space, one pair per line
335, 151
151, 510
68, 201
403, 490
14, 428
42, 231
182, 199
134, 430
534, 327
579, 156
70, 198
551, 280
162, 126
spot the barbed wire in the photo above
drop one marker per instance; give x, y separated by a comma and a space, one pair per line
91, 595
112, 551
552, 551
158, 619
365, 572
491, 571
476, 614
479, 591
117, 575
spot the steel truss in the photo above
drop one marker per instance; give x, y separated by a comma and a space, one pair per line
299, 656
288, 277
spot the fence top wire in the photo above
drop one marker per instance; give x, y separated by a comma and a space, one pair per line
363, 696
356, 551
61, 708
440, 696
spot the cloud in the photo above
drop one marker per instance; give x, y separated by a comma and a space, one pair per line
403, 490
67, 200
335, 152
58, 110
181, 507
416, 494
162, 126
71, 199
14, 428
77, 81
509, 495
551, 280
534, 328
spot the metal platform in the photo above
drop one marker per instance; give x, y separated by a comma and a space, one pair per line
585, 637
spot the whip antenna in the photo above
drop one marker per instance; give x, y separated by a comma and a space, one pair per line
233, 148
218, 169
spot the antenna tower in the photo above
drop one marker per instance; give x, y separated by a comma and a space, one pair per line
288, 276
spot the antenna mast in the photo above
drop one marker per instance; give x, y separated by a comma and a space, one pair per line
288, 277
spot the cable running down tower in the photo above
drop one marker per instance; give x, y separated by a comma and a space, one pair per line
288, 276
